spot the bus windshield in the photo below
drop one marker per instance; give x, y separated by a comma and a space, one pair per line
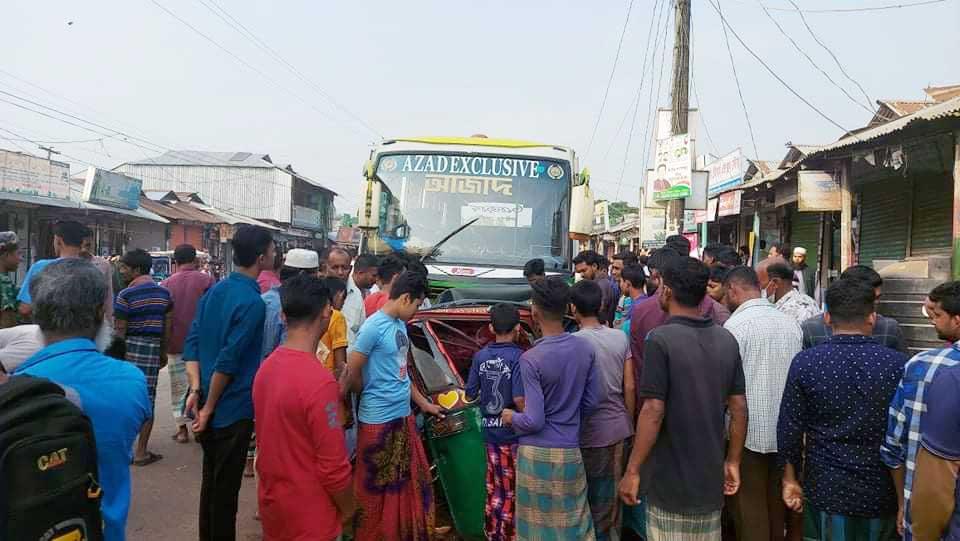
519, 205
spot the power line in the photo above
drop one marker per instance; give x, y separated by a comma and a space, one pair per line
654, 107
643, 75
249, 66
770, 70
45, 142
736, 78
606, 92
243, 30
633, 123
856, 10
832, 55
812, 62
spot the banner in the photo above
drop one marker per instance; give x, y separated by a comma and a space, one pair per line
818, 191
690, 220
672, 169
712, 210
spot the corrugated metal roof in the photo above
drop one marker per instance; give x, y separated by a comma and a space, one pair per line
234, 219
949, 108
905, 107
204, 158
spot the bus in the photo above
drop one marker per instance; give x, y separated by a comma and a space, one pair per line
473, 209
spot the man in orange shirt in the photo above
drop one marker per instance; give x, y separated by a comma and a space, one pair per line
332, 349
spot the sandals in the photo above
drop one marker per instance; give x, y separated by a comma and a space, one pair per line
181, 437
149, 459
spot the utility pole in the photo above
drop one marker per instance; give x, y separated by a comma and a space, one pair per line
679, 93
49, 151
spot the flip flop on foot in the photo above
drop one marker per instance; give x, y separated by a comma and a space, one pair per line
147, 460
181, 437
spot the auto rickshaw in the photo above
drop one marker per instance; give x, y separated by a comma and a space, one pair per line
443, 341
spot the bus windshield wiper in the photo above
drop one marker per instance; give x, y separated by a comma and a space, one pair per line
436, 247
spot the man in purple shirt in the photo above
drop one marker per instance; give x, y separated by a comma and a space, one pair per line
559, 386
186, 287
648, 314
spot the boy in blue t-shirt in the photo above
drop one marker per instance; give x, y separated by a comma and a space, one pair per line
632, 283
496, 384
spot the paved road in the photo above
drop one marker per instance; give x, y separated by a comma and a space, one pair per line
166, 494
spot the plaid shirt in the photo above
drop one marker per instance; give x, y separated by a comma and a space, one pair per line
903, 424
886, 331
768, 340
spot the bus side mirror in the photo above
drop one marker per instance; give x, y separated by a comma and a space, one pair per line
368, 215
402, 231
581, 208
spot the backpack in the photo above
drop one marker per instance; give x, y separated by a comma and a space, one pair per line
48, 465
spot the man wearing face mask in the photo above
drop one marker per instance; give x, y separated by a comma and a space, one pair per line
67, 301
776, 285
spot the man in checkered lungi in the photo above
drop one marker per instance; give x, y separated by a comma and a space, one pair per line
559, 384
142, 320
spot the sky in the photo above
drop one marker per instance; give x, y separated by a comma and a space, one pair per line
343, 75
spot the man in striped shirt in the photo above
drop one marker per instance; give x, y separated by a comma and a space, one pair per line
142, 319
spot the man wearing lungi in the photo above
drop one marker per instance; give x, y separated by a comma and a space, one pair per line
392, 477
559, 384
141, 312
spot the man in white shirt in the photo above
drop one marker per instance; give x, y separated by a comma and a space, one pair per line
768, 339
363, 277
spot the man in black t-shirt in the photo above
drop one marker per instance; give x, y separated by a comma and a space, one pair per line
692, 373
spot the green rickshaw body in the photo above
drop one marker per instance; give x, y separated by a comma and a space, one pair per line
443, 341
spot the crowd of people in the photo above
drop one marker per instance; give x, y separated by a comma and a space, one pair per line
665, 397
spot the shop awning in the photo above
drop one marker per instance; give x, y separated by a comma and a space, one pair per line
39, 200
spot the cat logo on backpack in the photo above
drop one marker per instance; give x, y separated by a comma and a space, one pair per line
54, 459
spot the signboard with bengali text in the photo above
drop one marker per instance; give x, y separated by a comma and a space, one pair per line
726, 172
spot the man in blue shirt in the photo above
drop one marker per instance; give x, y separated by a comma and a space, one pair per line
832, 421
67, 239
495, 380
67, 300
221, 354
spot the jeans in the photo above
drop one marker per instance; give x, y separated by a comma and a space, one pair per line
224, 456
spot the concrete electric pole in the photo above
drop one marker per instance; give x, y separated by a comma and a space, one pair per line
679, 93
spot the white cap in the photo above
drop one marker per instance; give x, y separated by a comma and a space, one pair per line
799, 250
298, 258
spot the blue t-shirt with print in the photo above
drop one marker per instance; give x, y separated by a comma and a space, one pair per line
495, 380
386, 385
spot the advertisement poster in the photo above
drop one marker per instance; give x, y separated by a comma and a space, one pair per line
690, 220
818, 191
672, 169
